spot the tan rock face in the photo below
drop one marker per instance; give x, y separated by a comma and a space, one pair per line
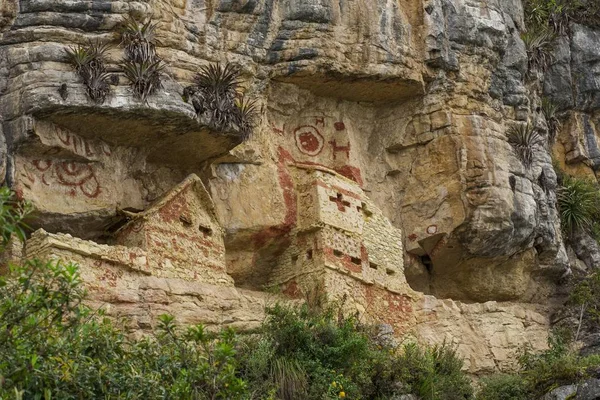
379, 165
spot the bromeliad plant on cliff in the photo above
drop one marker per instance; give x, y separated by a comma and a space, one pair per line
89, 63
217, 100
548, 19
579, 205
142, 66
523, 138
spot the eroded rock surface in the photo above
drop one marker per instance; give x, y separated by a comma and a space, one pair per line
379, 166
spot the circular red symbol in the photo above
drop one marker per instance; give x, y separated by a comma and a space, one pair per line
308, 140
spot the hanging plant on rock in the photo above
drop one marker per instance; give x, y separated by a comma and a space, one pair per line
142, 66
217, 100
89, 63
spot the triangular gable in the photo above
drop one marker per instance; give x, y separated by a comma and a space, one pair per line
192, 182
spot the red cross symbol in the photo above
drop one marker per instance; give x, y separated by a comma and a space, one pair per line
341, 203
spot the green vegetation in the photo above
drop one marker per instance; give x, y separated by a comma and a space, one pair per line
579, 204
523, 138
584, 300
303, 354
556, 15
142, 66
547, 19
503, 387
55, 347
550, 114
216, 96
538, 45
540, 373
89, 63
12, 216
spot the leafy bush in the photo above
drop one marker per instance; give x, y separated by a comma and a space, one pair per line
503, 387
89, 63
12, 216
52, 345
559, 365
302, 354
142, 66
215, 96
558, 14
579, 204
523, 138
586, 294
434, 373
540, 373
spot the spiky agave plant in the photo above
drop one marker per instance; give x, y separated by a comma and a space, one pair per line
97, 86
214, 94
139, 39
144, 78
89, 63
579, 204
219, 79
538, 45
142, 66
246, 115
78, 56
549, 111
523, 138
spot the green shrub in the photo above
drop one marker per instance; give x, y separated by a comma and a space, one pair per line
503, 387
302, 354
540, 372
433, 373
579, 204
52, 345
13, 214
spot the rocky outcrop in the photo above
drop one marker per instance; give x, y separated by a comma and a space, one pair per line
379, 166
588, 390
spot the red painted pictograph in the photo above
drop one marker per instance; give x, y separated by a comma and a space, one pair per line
70, 174
339, 126
42, 165
336, 149
279, 131
320, 121
79, 175
309, 140
80, 145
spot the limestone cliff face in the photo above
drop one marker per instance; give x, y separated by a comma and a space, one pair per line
379, 171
